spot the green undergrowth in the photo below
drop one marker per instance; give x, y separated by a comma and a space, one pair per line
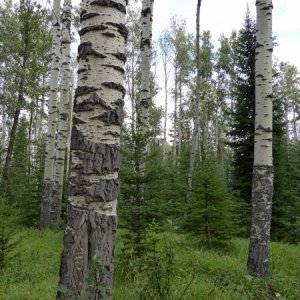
33, 272
196, 274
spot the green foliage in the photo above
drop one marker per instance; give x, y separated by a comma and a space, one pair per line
33, 273
205, 274
25, 179
242, 116
211, 275
8, 241
209, 211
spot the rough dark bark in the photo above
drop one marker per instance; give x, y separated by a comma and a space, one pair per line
95, 153
262, 192
87, 233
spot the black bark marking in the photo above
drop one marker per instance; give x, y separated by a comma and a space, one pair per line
121, 28
89, 103
102, 191
109, 34
82, 70
64, 116
145, 42
265, 129
97, 158
146, 11
113, 133
115, 86
77, 121
85, 49
110, 3
83, 90
145, 102
120, 56
113, 116
84, 30
85, 15
116, 68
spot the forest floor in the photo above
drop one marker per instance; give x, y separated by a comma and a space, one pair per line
181, 270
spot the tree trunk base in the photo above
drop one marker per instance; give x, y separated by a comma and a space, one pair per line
46, 208
262, 192
89, 236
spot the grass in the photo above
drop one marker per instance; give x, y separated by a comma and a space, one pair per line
33, 273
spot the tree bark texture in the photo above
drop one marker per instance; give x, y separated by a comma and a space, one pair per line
146, 38
46, 206
95, 150
262, 185
197, 104
64, 113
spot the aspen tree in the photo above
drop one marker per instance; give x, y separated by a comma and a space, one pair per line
95, 151
262, 184
197, 104
146, 36
46, 208
64, 115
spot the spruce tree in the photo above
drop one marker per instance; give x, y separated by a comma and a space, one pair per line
242, 118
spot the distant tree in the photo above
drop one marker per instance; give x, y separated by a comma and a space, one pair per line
193, 147
23, 65
209, 212
46, 209
64, 113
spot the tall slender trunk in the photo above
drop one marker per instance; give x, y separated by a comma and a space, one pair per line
180, 116
11, 142
262, 185
46, 208
175, 118
68, 154
197, 104
164, 58
95, 150
143, 115
146, 37
64, 114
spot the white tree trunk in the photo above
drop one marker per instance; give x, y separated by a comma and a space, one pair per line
52, 118
262, 186
95, 150
64, 113
197, 104
146, 37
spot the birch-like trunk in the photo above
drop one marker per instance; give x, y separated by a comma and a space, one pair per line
262, 185
197, 104
64, 113
95, 151
146, 37
46, 208
68, 154
175, 117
